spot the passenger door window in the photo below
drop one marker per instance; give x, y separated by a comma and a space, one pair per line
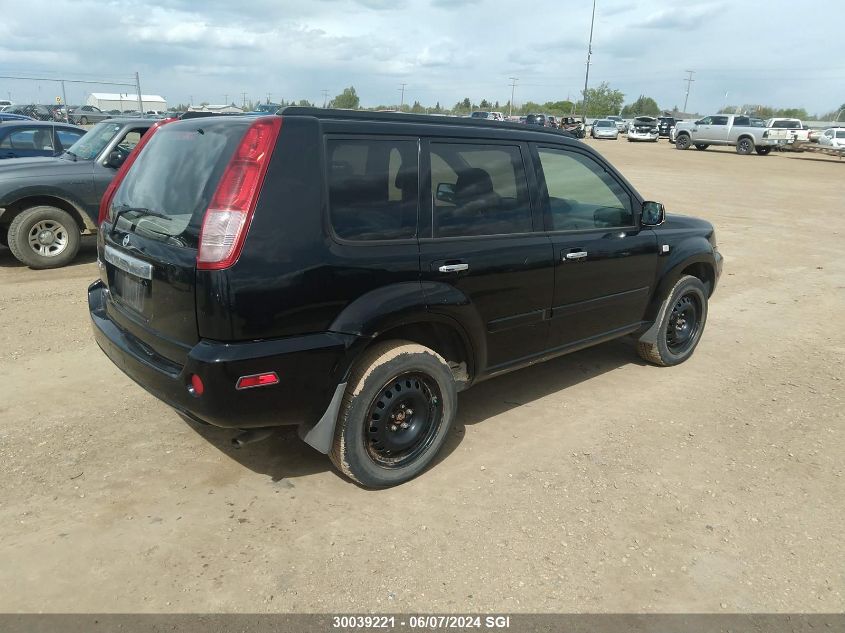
581, 194
719, 120
69, 137
29, 138
478, 190
373, 188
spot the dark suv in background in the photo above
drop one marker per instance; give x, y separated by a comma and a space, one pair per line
665, 125
350, 272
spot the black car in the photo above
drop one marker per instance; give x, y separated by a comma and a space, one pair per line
46, 204
665, 125
537, 119
25, 139
350, 272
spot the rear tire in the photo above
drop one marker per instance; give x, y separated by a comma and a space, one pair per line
701, 146
44, 237
763, 150
744, 146
683, 316
398, 409
682, 142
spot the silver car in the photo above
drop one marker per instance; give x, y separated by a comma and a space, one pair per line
605, 128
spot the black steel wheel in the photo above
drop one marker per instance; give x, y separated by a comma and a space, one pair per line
679, 326
403, 420
701, 146
399, 405
763, 150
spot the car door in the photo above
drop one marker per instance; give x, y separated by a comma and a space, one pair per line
605, 264
482, 247
28, 141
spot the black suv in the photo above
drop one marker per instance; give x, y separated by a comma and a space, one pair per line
665, 125
350, 272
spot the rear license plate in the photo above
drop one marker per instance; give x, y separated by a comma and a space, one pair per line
131, 290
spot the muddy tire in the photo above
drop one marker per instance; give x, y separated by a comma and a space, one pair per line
399, 405
682, 318
44, 237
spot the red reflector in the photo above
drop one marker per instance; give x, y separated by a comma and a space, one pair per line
196, 385
257, 380
229, 213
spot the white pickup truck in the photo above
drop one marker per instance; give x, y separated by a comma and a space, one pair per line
788, 131
736, 130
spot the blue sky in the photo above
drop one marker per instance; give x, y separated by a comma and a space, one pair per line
773, 52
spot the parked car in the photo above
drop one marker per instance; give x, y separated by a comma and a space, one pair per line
9, 116
665, 125
83, 115
283, 279
724, 129
536, 119
621, 125
552, 121
643, 128
833, 137
604, 128
489, 116
33, 111
24, 139
46, 204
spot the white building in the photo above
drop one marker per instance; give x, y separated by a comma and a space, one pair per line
126, 101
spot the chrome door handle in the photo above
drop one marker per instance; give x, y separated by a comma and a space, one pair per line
577, 255
453, 268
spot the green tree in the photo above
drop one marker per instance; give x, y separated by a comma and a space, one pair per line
417, 108
348, 99
643, 106
485, 105
559, 108
601, 101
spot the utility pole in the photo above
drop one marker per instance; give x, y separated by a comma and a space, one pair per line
138, 88
589, 55
325, 97
513, 88
192, 100
226, 99
689, 80
268, 98
244, 98
402, 90
64, 99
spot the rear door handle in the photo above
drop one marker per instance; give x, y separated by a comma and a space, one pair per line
453, 268
575, 255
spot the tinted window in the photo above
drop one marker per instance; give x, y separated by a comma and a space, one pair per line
581, 194
719, 120
33, 138
373, 188
840, 134
69, 137
175, 176
478, 190
742, 120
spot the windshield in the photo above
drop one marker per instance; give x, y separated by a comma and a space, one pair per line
169, 187
605, 124
92, 143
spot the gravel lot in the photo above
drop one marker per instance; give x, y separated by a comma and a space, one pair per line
590, 483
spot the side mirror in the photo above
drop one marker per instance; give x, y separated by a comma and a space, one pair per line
653, 214
115, 159
446, 192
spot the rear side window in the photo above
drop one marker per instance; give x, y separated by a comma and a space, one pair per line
582, 195
373, 189
742, 120
69, 137
478, 190
34, 138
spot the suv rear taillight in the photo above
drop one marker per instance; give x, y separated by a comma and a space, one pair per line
228, 216
105, 202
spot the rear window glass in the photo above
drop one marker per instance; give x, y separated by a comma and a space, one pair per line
840, 134
373, 188
167, 190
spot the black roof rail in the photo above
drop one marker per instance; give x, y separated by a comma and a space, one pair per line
402, 117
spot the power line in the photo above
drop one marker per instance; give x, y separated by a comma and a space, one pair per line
689, 81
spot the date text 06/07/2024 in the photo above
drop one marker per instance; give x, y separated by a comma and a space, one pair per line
388, 622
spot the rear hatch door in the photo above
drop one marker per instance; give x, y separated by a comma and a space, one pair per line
150, 238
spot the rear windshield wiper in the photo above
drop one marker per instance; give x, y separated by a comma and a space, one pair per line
140, 210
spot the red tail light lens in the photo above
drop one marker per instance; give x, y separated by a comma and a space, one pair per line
257, 380
229, 214
105, 202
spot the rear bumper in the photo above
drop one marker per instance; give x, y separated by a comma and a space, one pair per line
642, 136
309, 368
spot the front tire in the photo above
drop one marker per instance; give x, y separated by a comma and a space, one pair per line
682, 318
83, 120
44, 237
744, 146
399, 405
682, 142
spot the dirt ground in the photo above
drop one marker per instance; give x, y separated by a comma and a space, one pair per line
590, 483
